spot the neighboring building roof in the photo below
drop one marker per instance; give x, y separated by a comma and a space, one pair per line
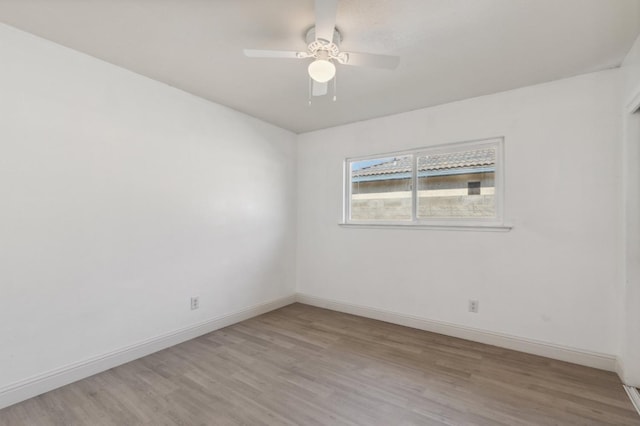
474, 161
480, 157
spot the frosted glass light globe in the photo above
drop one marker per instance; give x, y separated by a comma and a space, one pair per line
322, 70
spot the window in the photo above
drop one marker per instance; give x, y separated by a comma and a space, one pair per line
451, 185
473, 188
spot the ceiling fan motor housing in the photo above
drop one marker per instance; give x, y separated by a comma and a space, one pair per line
324, 49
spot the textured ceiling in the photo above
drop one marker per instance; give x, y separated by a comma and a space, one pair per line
449, 49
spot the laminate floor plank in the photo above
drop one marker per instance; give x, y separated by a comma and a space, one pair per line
302, 365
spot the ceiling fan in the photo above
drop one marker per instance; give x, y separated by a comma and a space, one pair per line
323, 46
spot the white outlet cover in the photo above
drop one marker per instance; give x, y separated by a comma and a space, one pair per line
195, 303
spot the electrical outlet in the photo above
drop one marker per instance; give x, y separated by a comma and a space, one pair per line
195, 303
473, 306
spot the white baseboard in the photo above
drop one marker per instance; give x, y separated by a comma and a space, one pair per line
634, 396
50, 380
549, 350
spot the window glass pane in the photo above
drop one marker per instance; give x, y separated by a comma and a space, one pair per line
458, 184
381, 188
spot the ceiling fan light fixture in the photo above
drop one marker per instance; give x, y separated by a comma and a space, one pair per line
322, 70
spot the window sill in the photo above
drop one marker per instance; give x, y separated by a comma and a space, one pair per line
435, 227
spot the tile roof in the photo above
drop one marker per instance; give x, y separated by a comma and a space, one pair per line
454, 160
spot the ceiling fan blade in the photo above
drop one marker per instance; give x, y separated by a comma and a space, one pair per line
326, 11
257, 53
371, 60
319, 89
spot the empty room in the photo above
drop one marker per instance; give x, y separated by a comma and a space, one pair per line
319, 212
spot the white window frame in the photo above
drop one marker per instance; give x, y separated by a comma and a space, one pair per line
493, 223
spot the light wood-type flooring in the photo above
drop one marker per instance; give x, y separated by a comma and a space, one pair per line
302, 365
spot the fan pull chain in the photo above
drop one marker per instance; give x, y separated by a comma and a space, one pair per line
335, 87
310, 88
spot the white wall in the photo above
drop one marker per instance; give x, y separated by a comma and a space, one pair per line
121, 198
630, 342
552, 278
